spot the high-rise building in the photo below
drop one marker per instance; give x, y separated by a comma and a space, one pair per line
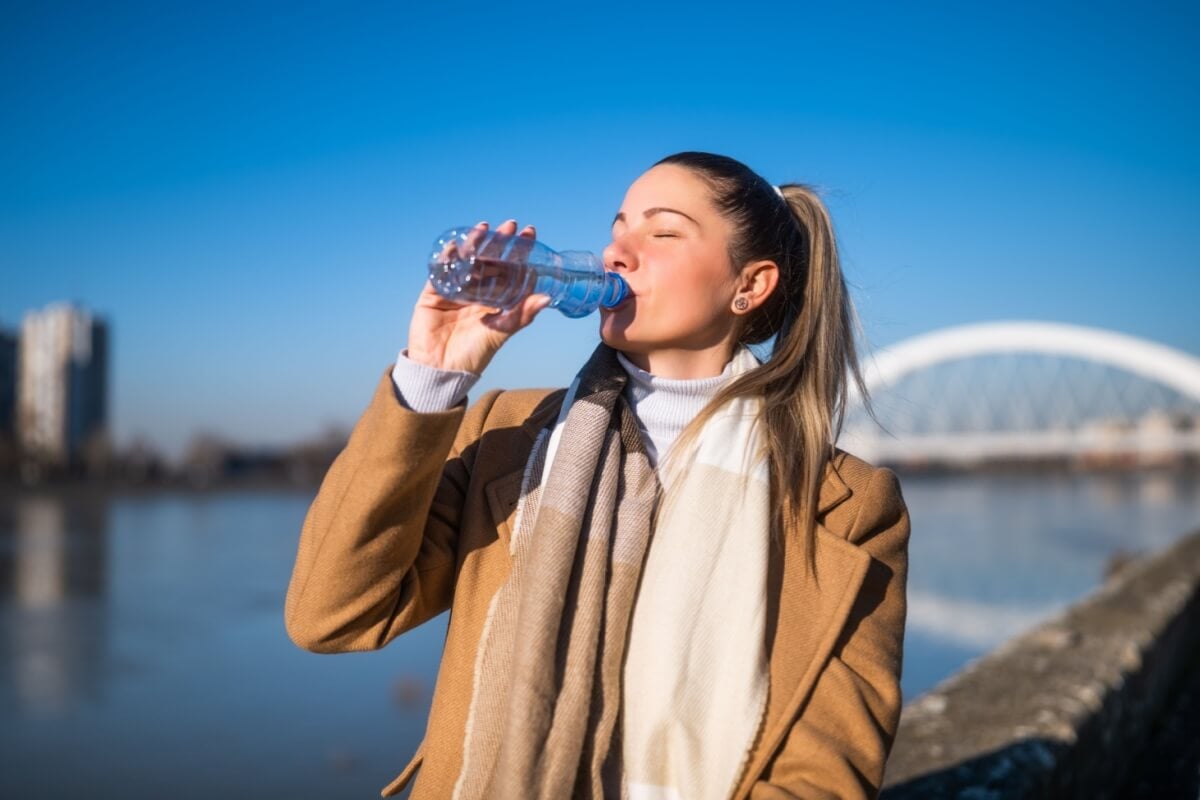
8, 387
62, 386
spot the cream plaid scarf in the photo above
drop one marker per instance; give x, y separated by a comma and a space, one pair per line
549, 704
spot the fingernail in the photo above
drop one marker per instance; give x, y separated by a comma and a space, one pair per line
481, 224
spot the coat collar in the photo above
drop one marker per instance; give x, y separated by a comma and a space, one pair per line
544, 413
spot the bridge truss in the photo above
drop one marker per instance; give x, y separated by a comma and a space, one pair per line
1026, 390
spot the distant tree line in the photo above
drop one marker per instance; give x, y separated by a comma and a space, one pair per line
208, 461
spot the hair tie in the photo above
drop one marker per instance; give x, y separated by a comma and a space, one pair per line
778, 191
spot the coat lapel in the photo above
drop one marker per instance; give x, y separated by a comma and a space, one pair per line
810, 616
504, 492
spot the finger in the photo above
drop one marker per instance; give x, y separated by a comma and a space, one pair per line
502, 321
523, 244
473, 238
532, 306
449, 252
495, 246
513, 319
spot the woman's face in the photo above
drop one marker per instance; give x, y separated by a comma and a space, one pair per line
671, 246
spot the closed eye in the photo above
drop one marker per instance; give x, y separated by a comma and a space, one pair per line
666, 235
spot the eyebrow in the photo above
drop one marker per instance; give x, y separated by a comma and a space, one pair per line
650, 212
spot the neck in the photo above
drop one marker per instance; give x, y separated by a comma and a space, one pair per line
678, 363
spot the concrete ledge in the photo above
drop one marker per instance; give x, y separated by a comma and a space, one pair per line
1060, 711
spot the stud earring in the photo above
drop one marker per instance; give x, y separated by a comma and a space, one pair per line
741, 304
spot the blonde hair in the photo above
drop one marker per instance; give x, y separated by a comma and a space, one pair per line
809, 316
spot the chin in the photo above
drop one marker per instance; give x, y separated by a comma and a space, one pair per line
616, 333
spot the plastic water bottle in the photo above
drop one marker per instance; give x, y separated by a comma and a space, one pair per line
471, 265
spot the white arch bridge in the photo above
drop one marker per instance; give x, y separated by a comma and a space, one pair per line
1027, 390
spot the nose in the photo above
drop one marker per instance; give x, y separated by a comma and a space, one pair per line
618, 257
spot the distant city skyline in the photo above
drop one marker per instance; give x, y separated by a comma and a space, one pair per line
249, 196
61, 385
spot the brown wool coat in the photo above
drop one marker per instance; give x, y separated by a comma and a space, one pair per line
414, 517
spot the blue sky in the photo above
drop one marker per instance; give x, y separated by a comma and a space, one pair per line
247, 191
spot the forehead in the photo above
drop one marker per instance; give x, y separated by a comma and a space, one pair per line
670, 185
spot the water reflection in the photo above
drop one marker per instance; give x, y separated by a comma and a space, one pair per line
993, 556
970, 624
1159, 489
53, 579
143, 635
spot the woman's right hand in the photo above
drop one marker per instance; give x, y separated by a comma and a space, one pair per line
450, 335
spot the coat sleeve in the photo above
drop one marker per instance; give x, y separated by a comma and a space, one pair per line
377, 551
838, 746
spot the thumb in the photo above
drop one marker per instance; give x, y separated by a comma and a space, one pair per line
531, 306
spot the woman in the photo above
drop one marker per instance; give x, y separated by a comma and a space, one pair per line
750, 647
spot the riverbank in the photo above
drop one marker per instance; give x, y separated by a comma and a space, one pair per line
1081, 706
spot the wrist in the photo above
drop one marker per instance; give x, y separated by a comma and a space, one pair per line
419, 356
437, 362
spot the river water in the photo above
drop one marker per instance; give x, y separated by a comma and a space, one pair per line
143, 654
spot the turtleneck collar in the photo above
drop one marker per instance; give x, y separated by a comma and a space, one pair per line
664, 406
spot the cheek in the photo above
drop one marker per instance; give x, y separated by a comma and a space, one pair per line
692, 292
682, 310
672, 297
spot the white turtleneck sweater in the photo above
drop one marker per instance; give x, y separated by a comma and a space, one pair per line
662, 406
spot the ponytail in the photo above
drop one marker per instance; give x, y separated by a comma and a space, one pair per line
803, 384
805, 397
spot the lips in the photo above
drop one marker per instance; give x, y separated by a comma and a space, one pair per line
624, 303
630, 294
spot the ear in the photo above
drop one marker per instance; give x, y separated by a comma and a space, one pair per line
757, 281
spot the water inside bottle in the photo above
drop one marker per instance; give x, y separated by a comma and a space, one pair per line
460, 275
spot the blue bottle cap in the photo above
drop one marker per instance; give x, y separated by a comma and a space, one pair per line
615, 290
